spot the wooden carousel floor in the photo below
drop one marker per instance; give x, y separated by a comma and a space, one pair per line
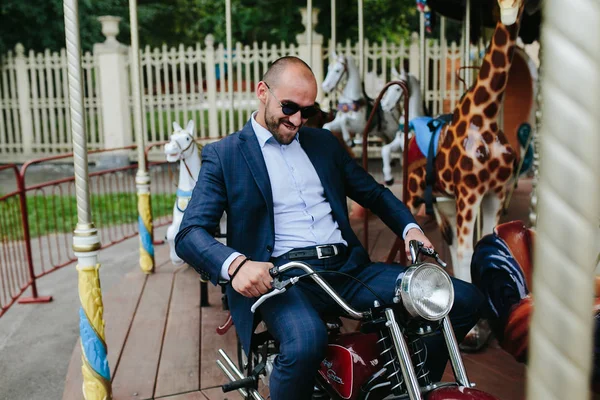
162, 344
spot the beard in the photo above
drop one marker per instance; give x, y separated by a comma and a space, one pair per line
276, 125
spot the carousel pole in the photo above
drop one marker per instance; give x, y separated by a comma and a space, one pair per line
86, 243
142, 178
422, 53
309, 29
467, 43
230, 74
361, 41
333, 27
535, 165
562, 325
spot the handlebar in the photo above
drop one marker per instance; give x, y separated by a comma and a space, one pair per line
284, 285
417, 248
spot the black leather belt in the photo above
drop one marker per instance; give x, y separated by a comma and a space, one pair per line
317, 252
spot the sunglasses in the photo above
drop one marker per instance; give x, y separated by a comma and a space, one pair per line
290, 108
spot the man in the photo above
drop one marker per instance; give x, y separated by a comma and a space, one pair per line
284, 190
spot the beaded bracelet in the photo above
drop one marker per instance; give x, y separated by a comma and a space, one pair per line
237, 269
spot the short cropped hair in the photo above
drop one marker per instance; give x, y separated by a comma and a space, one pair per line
278, 66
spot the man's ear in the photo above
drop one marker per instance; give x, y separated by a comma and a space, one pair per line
261, 92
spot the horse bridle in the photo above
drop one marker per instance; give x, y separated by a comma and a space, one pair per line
342, 60
192, 142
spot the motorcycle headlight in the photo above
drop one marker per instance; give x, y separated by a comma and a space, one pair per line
426, 291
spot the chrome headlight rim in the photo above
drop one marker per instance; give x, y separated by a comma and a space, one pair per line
403, 290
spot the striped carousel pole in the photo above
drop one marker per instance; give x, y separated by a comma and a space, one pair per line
142, 178
86, 243
561, 337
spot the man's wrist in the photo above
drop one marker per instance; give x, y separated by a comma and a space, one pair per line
233, 266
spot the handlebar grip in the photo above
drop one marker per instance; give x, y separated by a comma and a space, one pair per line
245, 383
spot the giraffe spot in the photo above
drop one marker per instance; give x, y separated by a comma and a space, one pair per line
481, 96
455, 116
461, 204
471, 200
454, 155
498, 82
471, 181
464, 191
466, 230
447, 175
466, 106
499, 189
461, 240
466, 163
451, 189
487, 137
504, 173
493, 183
498, 59
468, 217
456, 176
493, 165
447, 141
416, 203
491, 110
481, 190
484, 71
510, 52
482, 153
440, 160
461, 128
477, 121
459, 221
422, 184
502, 138
494, 127
484, 175
508, 157
412, 185
500, 37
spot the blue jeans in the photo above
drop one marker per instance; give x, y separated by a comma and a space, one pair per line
293, 319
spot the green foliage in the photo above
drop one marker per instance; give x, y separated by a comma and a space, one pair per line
53, 214
39, 24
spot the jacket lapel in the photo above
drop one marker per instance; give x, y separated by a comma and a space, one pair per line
250, 149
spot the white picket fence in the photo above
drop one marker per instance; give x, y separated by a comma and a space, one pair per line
181, 84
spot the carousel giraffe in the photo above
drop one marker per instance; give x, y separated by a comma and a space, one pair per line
474, 161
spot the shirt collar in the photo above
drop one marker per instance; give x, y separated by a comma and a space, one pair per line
262, 134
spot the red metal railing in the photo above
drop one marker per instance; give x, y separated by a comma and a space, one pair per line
37, 220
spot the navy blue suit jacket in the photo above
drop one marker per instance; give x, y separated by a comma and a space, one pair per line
234, 178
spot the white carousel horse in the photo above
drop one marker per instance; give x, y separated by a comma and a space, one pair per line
389, 102
351, 116
183, 148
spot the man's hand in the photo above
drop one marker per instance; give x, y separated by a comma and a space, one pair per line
415, 234
253, 279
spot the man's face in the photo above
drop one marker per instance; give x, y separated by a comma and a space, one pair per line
299, 88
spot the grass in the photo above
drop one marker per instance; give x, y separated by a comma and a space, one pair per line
58, 214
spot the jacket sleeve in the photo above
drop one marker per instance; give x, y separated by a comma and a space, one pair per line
362, 188
195, 242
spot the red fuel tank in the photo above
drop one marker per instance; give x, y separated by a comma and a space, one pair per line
351, 359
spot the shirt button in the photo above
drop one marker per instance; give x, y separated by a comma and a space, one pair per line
269, 249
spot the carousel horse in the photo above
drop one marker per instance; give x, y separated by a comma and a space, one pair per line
354, 106
470, 159
389, 102
182, 147
502, 268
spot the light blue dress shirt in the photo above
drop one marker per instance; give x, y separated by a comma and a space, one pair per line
302, 214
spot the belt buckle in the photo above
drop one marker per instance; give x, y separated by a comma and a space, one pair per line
320, 248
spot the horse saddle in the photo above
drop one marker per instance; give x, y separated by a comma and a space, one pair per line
427, 129
353, 106
183, 199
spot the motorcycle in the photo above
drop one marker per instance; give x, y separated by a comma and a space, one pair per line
386, 358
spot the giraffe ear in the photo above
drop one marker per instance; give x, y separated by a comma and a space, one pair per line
176, 126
